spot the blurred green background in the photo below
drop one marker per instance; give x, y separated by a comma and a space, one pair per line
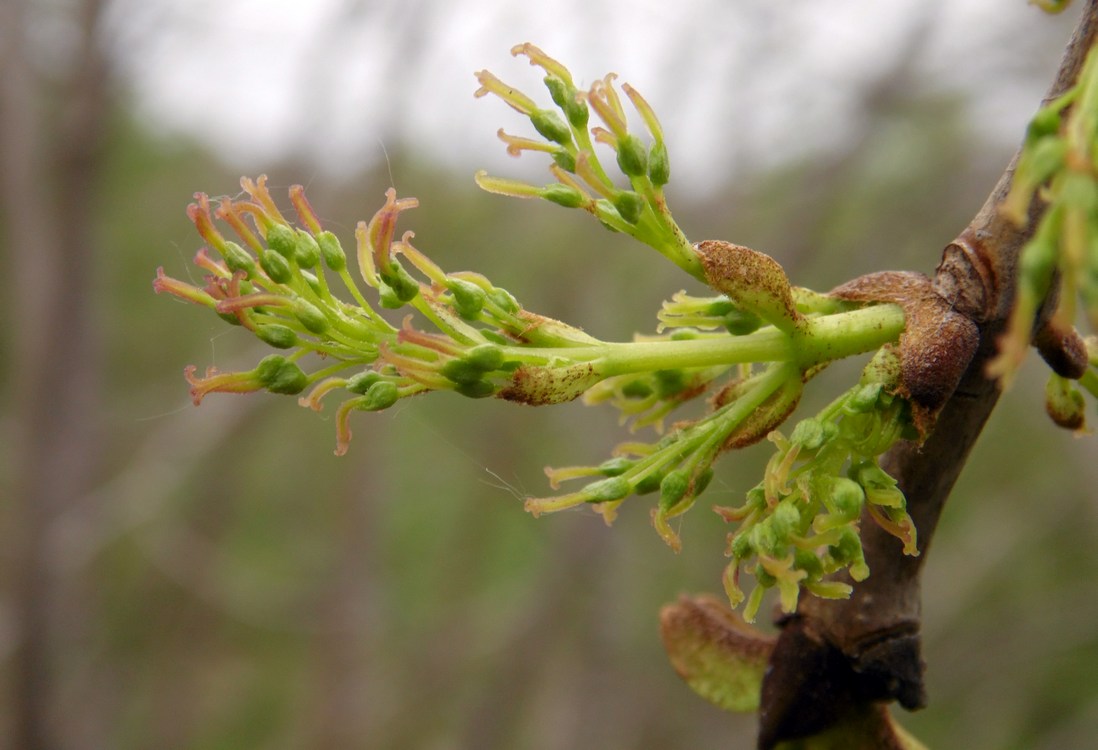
215, 578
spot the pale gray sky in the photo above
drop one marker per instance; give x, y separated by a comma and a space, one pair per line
738, 84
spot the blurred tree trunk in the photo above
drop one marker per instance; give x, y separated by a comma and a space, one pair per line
51, 134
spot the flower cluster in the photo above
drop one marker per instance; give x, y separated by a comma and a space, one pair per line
800, 524
1058, 167
750, 347
639, 210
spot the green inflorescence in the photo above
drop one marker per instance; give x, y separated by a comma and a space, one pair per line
750, 347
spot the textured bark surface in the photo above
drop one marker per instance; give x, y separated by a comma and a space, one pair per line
836, 660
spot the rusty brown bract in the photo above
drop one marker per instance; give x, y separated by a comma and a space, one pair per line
937, 343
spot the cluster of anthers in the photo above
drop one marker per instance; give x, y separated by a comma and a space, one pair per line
751, 346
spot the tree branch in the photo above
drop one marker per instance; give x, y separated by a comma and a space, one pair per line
867, 648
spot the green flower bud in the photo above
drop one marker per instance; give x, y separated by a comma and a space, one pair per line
785, 520
766, 539
502, 299
563, 195
720, 307
313, 282
669, 382
1064, 403
740, 546
636, 389
468, 297
845, 498
485, 357
607, 490
764, 578
476, 389
559, 91
741, 322
869, 474
279, 375
614, 467
282, 239
564, 96
650, 483
629, 205
659, 165
403, 285
360, 383
809, 434
380, 395
1045, 122
310, 316
331, 251
847, 552
673, 489
1043, 160
808, 562
632, 158
387, 297
278, 336
230, 318
461, 372
306, 251
702, 480
564, 160
275, 266
551, 127
237, 258
880, 488
863, 399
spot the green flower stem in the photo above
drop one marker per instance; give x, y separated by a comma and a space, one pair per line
821, 340
831, 337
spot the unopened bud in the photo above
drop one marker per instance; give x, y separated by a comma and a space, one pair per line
237, 258
863, 399
403, 285
310, 316
845, 498
607, 490
809, 434
279, 375
1064, 403
629, 205
632, 158
278, 336
331, 251
485, 357
551, 127
282, 239
673, 489
503, 299
275, 266
468, 297
476, 389
564, 96
380, 395
564, 160
563, 195
306, 251
461, 372
360, 383
659, 165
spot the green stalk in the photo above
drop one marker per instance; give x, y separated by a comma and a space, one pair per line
818, 340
